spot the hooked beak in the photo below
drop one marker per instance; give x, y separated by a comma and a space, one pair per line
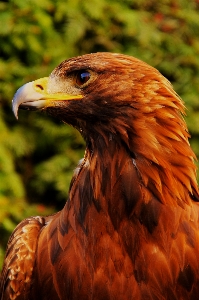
34, 95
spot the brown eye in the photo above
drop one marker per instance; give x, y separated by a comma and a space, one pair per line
82, 77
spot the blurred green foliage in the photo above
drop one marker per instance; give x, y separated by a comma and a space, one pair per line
38, 154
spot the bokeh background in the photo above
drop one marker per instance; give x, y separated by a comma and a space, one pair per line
38, 154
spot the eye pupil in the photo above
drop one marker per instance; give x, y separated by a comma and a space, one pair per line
82, 77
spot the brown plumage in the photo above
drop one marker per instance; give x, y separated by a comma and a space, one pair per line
130, 228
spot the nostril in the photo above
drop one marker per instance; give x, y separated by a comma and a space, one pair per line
39, 86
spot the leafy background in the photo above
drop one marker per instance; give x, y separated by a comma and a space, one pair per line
38, 154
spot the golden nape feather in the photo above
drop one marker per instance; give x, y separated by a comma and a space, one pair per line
130, 228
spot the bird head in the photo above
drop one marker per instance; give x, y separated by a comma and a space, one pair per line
93, 90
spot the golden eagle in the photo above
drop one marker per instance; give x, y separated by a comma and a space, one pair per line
130, 228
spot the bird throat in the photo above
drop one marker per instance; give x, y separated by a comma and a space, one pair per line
107, 183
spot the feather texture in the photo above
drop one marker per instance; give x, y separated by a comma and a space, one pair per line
129, 229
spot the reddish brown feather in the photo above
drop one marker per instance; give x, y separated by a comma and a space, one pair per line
20, 259
130, 227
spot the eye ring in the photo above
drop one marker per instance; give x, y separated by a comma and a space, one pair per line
82, 77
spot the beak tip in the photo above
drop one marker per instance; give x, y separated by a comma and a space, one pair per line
15, 110
17, 100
